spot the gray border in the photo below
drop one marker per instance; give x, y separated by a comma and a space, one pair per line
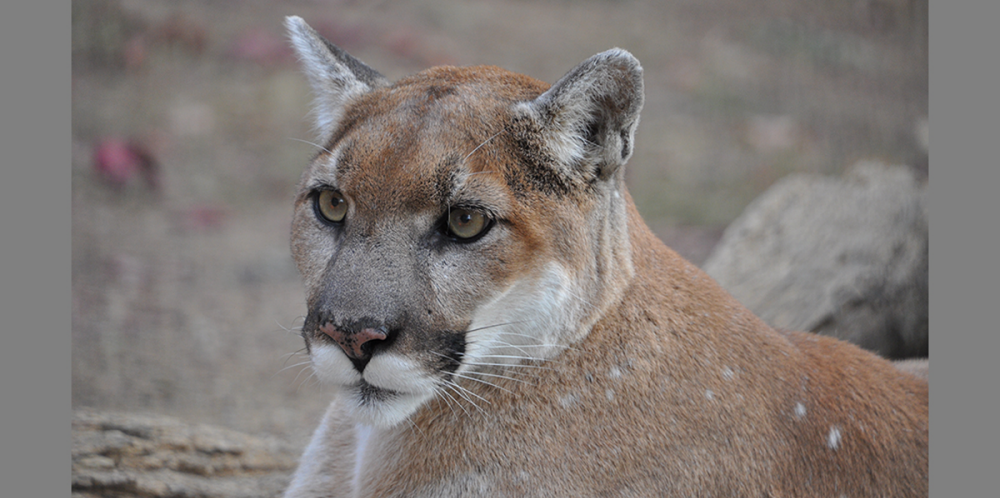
36, 343
963, 249
35, 302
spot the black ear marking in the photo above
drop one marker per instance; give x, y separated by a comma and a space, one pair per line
626, 144
593, 133
360, 70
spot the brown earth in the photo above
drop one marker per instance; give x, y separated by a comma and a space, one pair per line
185, 299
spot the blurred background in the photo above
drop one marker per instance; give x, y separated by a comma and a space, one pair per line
188, 118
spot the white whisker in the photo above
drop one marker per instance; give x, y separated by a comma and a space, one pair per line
459, 391
493, 326
481, 381
508, 365
414, 426
502, 377
301, 352
512, 345
299, 364
320, 147
291, 329
443, 389
509, 356
311, 377
286, 356
481, 145
455, 374
445, 396
519, 347
300, 373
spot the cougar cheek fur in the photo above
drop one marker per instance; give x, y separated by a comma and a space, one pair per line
492, 317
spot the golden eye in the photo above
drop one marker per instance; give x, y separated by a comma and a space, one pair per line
466, 223
331, 205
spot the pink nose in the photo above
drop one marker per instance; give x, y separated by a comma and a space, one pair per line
353, 343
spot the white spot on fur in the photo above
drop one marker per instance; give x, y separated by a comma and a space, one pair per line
833, 438
568, 401
609, 394
709, 395
800, 410
614, 373
727, 373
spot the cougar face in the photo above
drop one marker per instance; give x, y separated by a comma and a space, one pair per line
419, 233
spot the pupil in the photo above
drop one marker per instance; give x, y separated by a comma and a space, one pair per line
465, 218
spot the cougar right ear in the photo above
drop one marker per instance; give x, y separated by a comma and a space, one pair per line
589, 116
336, 77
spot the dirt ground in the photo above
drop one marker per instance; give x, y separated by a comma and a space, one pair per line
189, 117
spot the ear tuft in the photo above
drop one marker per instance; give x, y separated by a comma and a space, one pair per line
335, 76
589, 116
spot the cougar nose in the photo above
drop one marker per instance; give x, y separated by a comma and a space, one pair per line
357, 344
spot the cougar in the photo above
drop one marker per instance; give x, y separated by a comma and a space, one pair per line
494, 318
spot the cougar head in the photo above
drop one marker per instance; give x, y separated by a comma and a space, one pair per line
458, 221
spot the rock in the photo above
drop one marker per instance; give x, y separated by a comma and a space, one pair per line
131, 455
842, 257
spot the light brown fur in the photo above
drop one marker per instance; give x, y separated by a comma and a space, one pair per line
639, 375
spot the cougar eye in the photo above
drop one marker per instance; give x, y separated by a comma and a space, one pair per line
331, 205
466, 224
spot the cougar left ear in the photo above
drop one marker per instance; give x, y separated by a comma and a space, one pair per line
589, 116
336, 77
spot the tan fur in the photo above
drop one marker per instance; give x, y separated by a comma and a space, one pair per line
567, 352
